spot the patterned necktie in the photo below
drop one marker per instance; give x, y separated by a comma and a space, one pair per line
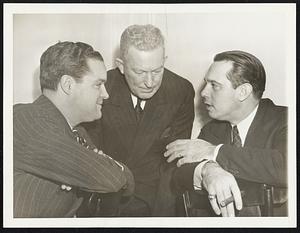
236, 139
92, 201
138, 110
81, 140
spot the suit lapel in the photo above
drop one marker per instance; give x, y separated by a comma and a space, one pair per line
256, 135
150, 125
119, 112
49, 110
221, 133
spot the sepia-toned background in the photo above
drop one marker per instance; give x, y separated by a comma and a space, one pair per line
191, 42
194, 33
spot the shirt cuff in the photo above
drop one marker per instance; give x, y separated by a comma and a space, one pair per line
197, 175
216, 151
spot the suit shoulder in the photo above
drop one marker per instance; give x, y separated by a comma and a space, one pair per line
20, 109
274, 111
114, 78
172, 79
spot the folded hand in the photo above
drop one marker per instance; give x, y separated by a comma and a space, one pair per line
189, 151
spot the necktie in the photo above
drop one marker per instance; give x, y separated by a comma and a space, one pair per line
92, 204
81, 140
236, 139
138, 110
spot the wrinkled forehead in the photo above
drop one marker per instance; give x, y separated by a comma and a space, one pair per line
152, 58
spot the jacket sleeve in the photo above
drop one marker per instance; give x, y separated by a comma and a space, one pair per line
183, 178
263, 165
44, 150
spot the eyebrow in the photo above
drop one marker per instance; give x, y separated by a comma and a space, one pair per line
141, 69
212, 81
100, 81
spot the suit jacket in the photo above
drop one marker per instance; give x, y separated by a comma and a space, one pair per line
262, 159
46, 155
167, 116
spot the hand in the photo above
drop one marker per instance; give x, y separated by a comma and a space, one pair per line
130, 186
221, 183
189, 151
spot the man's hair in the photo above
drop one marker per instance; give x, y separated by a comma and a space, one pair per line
142, 37
65, 58
246, 68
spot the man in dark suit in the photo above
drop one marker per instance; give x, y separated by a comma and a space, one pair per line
247, 136
54, 162
149, 107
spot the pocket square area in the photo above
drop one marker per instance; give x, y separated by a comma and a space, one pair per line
166, 133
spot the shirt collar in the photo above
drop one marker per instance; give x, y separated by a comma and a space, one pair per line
134, 101
244, 125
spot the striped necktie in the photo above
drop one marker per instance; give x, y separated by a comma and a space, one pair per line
235, 136
81, 140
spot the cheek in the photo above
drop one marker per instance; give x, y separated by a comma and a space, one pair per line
133, 81
158, 80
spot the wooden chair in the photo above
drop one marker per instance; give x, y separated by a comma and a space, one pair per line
196, 202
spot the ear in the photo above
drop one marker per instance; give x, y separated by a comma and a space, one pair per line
120, 65
244, 91
66, 83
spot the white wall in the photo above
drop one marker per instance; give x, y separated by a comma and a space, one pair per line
192, 39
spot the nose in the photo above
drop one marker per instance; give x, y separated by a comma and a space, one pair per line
103, 92
149, 81
204, 92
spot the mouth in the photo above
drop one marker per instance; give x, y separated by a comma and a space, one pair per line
147, 90
208, 106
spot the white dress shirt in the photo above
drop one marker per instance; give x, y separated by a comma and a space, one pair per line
243, 128
134, 101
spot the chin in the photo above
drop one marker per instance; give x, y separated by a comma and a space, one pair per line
146, 96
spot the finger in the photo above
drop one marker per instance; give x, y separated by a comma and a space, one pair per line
237, 196
176, 143
229, 207
215, 206
174, 156
181, 161
174, 149
220, 197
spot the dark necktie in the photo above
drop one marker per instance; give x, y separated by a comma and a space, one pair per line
236, 139
138, 110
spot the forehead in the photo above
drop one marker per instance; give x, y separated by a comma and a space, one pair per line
97, 69
145, 59
218, 71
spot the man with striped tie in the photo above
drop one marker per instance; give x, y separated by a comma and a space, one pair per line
247, 136
54, 162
